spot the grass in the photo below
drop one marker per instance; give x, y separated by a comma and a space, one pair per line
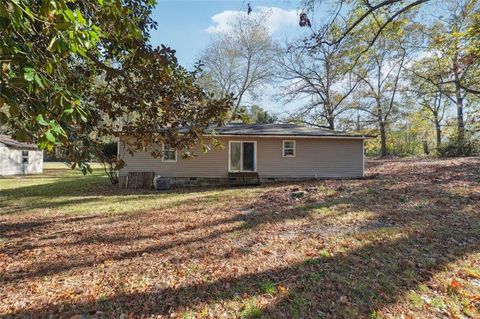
404, 244
77, 194
251, 311
268, 287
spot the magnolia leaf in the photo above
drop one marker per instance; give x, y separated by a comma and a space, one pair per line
38, 80
3, 11
29, 12
48, 68
57, 129
4, 16
82, 52
80, 17
28, 73
63, 26
14, 110
53, 46
41, 120
46, 144
69, 14
49, 136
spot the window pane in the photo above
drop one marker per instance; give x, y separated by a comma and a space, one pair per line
288, 148
169, 154
235, 150
288, 152
248, 156
24, 157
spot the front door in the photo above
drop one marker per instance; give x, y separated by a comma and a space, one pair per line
242, 157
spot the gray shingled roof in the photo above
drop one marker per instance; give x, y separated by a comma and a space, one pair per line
279, 130
10, 142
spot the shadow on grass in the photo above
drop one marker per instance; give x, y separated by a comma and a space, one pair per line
367, 278
345, 285
24, 227
82, 190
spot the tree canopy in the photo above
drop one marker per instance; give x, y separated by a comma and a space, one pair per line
239, 62
74, 71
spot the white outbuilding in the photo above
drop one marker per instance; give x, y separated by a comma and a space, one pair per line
17, 158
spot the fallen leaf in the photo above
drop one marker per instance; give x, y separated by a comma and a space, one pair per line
455, 284
282, 289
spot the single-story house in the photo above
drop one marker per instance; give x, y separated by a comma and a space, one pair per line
18, 158
267, 152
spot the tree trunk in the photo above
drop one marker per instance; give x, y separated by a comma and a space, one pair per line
381, 124
459, 103
383, 139
426, 149
436, 119
460, 122
438, 132
243, 89
331, 123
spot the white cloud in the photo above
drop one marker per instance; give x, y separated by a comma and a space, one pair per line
277, 18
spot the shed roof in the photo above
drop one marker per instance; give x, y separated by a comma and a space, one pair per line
278, 130
10, 142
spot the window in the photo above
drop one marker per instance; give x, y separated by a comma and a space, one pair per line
242, 157
24, 157
288, 148
169, 154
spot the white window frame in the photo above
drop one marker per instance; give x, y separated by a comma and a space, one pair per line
241, 157
163, 155
294, 148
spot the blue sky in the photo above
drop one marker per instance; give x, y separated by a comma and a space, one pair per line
188, 25
183, 24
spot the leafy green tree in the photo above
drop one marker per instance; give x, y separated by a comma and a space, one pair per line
69, 68
257, 114
428, 97
380, 74
453, 64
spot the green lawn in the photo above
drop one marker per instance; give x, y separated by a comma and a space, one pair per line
69, 192
405, 244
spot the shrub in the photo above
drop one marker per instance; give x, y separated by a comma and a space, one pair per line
106, 154
455, 148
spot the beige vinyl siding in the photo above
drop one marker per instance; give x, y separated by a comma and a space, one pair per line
212, 164
314, 158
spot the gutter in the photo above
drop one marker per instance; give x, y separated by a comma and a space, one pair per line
354, 137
